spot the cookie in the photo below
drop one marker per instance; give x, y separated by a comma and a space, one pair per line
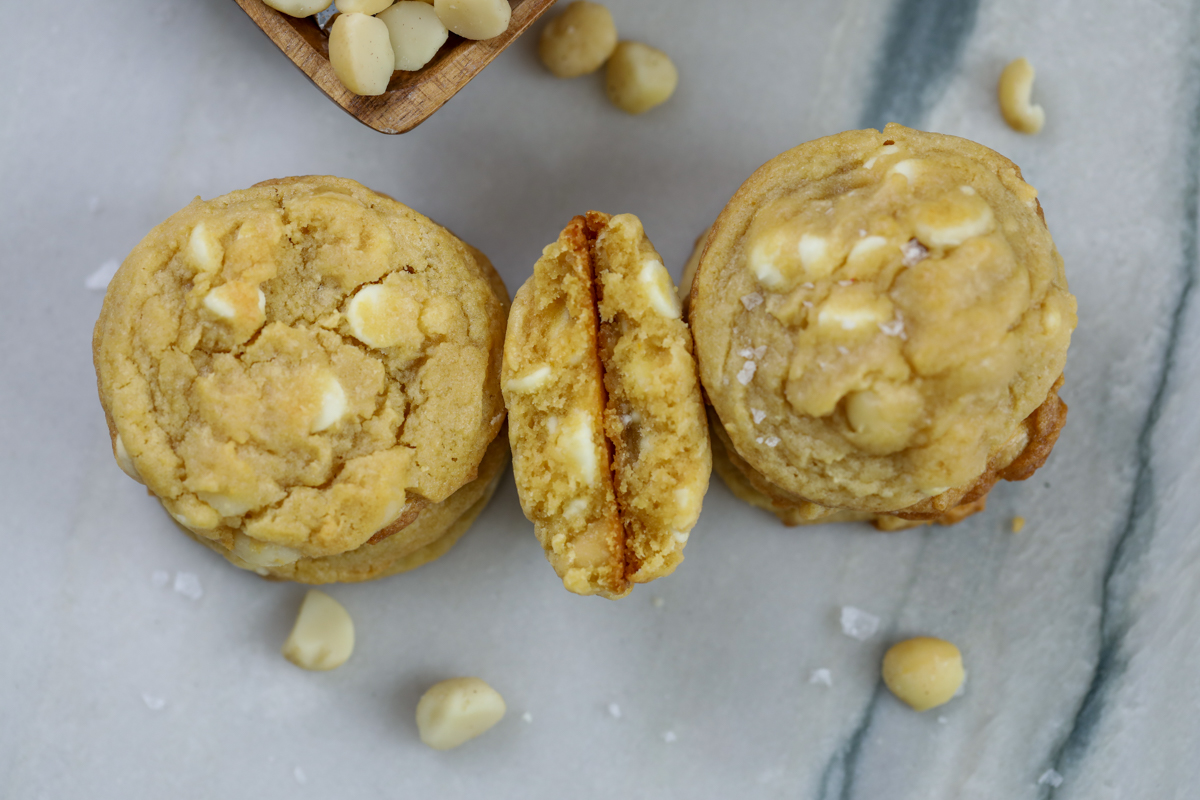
432, 533
610, 445
301, 367
877, 316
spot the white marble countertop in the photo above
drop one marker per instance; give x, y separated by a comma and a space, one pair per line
1081, 634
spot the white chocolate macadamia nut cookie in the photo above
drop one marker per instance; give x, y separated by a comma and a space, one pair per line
302, 368
606, 421
881, 322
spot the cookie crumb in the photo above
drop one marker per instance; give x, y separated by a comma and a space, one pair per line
746, 373
100, 279
160, 578
669, 737
1050, 778
1018, 524
299, 775
188, 585
821, 676
858, 624
153, 702
752, 301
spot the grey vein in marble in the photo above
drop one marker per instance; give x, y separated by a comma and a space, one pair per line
924, 41
1121, 575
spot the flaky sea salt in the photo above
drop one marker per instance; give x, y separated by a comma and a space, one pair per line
821, 676
153, 702
188, 585
858, 624
893, 327
757, 415
845, 283
771, 441
752, 301
100, 279
614, 710
843, 350
914, 252
1050, 778
746, 373
669, 737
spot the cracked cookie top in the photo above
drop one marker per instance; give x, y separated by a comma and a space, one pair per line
876, 313
289, 367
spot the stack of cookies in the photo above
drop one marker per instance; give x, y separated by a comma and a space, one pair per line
306, 374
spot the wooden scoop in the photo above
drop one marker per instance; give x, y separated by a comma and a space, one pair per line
411, 97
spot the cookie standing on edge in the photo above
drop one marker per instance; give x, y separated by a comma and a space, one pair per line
306, 374
610, 445
881, 323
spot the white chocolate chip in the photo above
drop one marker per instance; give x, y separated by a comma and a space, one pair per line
323, 636
909, 168
680, 537
204, 252
656, 283
333, 405
299, 8
530, 381
453, 712
866, 254
416, 33
226, 505
474, 19
382, 316
219, 304
575, 507
259, 555
816, 257
886, 150
361, 54
124, 461
952, 220
853, 311
578, 446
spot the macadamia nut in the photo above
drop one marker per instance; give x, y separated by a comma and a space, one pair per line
474, 19
360, 51
323, 636
1016, 86
453, 712
416, 32
362, 6
639, 77
923, 672
299, 8
579, 40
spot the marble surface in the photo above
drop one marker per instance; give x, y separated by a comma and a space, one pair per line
1081, 634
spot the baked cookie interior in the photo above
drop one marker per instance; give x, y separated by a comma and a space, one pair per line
610, 445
